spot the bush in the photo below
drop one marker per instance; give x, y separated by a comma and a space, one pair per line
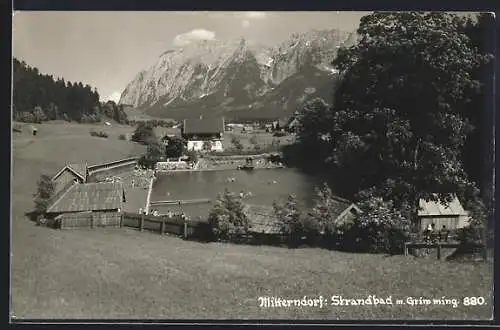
99, 134
175, 146
155, 153
227, 219
379, 229
144, 133
237, 143
253, 140
44, 193
146, 162
476, 232
122, 137
192, 155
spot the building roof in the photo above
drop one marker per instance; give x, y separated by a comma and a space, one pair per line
210, 125
431, 208
341, 206
89, 197
76, 168
262, 219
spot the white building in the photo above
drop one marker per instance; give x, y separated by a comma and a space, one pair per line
204, 134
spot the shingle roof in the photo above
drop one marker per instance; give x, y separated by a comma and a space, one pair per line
432, 208
210, 125
262, 219
89, 197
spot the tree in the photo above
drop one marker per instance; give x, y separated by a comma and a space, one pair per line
227, 217
398, 120
175, 146
313, 133
38, 115
478, 155
44, 193
144, 134
32, 89
292, 222
324, 211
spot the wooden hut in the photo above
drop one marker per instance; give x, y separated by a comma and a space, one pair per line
264, 223
451, 215
343, 210
70, 174
89, 205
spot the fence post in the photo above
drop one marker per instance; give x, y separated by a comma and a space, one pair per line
92, 220
439, 251
162, 226
141, 224
121, 220
406, 249
185, 229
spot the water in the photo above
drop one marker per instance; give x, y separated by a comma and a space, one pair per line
265, 187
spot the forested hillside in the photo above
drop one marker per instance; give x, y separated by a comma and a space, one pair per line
40, 97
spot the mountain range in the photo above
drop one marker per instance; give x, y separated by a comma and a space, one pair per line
238, 78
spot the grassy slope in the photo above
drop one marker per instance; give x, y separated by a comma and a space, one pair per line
127, 274
263, 139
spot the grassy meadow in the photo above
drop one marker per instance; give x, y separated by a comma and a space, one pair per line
119, 273
262, 139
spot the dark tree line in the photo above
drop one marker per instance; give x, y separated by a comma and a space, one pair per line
40, 97
406, 120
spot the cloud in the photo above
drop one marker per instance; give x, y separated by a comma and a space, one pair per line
245, 23
114, 97
255, 14
193, 35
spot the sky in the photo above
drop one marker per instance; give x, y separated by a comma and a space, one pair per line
107, 49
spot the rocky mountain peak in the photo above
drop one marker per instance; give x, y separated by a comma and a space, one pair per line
229, 73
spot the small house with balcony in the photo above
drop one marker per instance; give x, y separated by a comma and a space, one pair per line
451, 215
204, 134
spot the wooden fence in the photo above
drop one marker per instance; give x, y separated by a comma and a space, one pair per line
117, 163
437, 245
163, 224
160, 224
